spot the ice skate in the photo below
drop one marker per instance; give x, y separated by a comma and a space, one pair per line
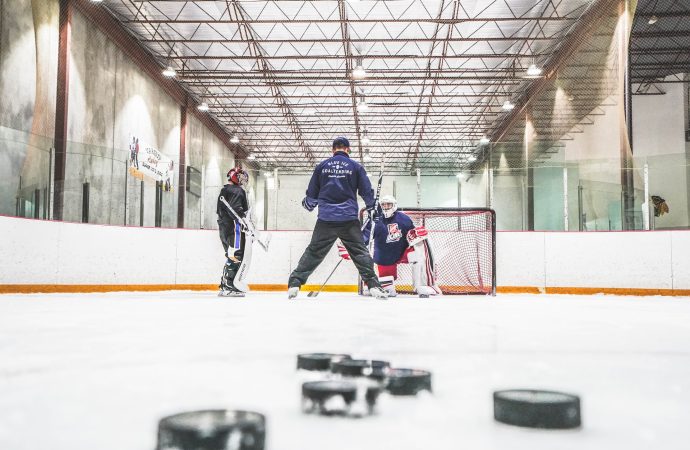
292, 292
378, 293
229, 292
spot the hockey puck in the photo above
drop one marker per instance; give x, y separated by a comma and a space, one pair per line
408, 381
318, 361
335, 397
212, 430
537, 409
359, 367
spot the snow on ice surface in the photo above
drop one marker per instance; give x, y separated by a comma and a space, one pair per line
97, 371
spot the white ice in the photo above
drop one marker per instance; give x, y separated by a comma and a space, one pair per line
97, 371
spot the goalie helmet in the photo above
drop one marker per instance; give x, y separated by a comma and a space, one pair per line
238, 176
388, 205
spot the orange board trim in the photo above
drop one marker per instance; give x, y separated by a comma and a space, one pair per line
90, 288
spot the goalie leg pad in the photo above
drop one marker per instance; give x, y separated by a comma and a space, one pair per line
423, 270
240, 281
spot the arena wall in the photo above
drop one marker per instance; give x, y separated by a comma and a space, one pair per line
43, 256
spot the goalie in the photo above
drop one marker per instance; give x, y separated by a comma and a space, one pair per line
232, 229
398, 241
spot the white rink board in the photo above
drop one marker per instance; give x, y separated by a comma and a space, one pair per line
42, 252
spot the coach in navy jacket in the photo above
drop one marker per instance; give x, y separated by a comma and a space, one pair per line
333, 188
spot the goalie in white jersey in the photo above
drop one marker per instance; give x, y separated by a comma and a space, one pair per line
398, 241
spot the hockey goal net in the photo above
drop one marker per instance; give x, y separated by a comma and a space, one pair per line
463, 247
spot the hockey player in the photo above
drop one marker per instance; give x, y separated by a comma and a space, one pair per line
231, 230
398, 241
333, 188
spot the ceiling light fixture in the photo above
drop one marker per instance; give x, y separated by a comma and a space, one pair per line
367, 157
365, 138
235, 139
362, 105
169, 72
533, 71
508, 106
485, 140
251, 157
358, 72
203, 107
472, 158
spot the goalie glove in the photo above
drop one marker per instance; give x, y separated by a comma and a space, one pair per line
416, 235
342, 251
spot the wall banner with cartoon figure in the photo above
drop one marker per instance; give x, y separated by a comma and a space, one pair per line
146, 161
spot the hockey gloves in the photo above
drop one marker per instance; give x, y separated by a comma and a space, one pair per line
342, 251
416, 235
309, 204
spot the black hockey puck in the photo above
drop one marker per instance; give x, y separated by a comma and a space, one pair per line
408, 381
359, 367
537, 409
335, 397
212, 430
318, 361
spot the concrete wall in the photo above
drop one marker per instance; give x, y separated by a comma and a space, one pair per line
52, 253
659, 141
110, 101
28, 71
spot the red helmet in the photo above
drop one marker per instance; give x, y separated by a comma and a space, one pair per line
238, 176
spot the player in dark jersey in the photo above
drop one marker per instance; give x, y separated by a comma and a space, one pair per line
231, 230
398, 241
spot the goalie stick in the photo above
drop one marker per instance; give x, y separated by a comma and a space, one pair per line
263, 240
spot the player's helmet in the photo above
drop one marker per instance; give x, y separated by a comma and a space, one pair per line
388, 205
238, 176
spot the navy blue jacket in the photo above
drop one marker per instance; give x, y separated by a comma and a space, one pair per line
334, 186
390, 237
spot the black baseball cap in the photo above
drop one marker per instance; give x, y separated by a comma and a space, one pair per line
341, 141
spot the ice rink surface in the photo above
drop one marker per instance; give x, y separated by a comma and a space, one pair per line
97, 371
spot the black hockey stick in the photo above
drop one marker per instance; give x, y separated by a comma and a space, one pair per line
315, 293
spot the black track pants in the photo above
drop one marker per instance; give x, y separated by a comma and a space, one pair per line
325, 234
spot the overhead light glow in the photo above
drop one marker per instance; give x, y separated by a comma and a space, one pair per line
365, 139
508, 106
235, 139
533, 71
367, 157
653, 20
472, 158
358, 72
169, 72
485, 140
203, 107
362, 106
251, 157
268, 174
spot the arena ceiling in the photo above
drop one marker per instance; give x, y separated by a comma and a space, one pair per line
279, 74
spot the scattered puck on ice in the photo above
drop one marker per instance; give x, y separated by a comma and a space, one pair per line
359, 367
537, 409
408, 381
212, 430
318, 361
335, 397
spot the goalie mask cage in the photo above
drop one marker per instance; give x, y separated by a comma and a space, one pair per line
463, 248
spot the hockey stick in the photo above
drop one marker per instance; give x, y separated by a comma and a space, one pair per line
249, 226
360, 289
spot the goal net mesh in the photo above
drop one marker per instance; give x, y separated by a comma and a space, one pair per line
463, 242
